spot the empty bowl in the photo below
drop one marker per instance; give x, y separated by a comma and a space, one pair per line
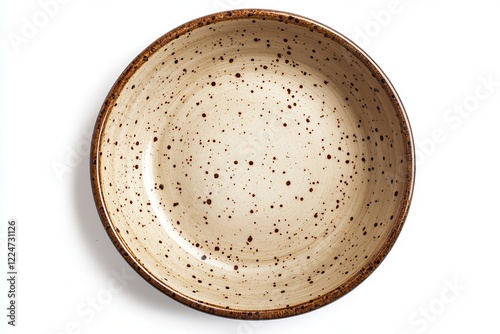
253, 164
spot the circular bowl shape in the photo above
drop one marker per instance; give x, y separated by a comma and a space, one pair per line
253, 164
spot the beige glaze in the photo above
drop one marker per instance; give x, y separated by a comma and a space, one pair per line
253, 164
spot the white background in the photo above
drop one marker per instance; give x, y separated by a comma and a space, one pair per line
441, 276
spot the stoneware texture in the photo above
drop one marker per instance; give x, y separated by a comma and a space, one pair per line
253, 164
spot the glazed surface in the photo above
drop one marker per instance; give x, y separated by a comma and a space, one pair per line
250, 164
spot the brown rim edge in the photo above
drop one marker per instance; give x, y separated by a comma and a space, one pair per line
285, 17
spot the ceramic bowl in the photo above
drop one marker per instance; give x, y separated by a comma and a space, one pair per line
253, 164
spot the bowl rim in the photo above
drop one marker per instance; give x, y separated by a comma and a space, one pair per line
240, 14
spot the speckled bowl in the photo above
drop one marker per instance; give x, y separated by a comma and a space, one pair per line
253, 164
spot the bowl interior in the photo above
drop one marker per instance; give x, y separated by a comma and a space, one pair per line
253, 164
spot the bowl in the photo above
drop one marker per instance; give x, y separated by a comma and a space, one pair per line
253, 164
